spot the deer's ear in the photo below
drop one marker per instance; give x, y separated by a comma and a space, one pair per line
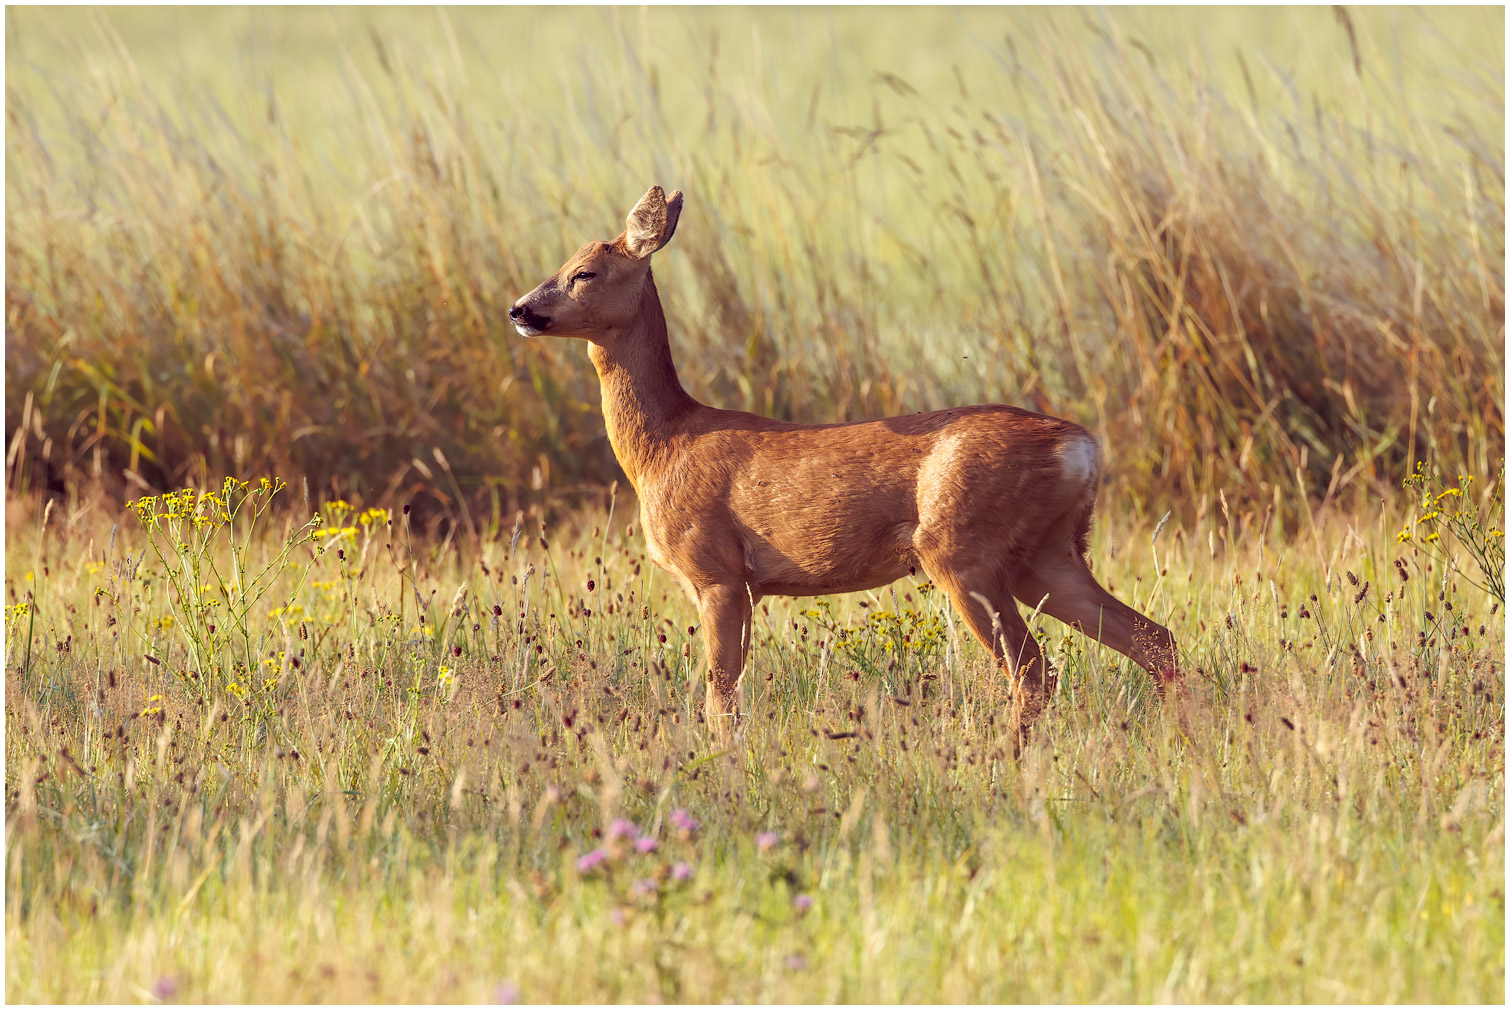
652, 222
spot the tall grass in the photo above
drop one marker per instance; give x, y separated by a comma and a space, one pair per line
1250, 273
438, 783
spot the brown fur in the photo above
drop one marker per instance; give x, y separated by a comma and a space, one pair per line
990, 502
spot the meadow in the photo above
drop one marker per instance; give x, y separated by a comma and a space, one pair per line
272, 760
400, 711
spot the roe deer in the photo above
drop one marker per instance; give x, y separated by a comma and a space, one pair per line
992, 502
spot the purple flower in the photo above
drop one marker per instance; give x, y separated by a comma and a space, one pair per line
684, 821
591, 860
644, 888
767, 840
802, 902
622, 828
646, 845
616, 916
795, 962
506, 993
165, 988
681, 871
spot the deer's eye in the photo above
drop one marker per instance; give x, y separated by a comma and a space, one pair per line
583, 275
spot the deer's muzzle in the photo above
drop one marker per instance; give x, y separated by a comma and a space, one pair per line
527, 321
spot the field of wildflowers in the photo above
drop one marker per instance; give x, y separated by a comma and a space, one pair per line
259, 754
419, 721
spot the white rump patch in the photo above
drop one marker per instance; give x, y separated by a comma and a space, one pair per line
1080, 459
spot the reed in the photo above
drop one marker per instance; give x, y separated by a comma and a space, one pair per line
1257, 282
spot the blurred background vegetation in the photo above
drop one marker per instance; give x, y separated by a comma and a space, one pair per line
1258, 251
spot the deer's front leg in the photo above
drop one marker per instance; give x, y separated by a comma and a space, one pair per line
725, 613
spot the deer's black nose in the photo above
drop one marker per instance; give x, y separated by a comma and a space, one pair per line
517, 312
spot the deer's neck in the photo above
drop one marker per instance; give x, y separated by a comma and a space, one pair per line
642, 396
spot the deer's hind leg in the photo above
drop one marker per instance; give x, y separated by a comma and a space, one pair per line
984, 599
1076, 598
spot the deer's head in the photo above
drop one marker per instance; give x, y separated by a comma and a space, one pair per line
597, 292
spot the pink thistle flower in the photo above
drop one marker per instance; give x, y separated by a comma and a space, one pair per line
802, 902
685, 822
681, 872
622, 828
591, 861
767, 840
646, 845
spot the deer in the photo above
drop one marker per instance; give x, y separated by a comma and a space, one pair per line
993, 503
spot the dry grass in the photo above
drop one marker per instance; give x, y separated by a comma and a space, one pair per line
1288, 278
